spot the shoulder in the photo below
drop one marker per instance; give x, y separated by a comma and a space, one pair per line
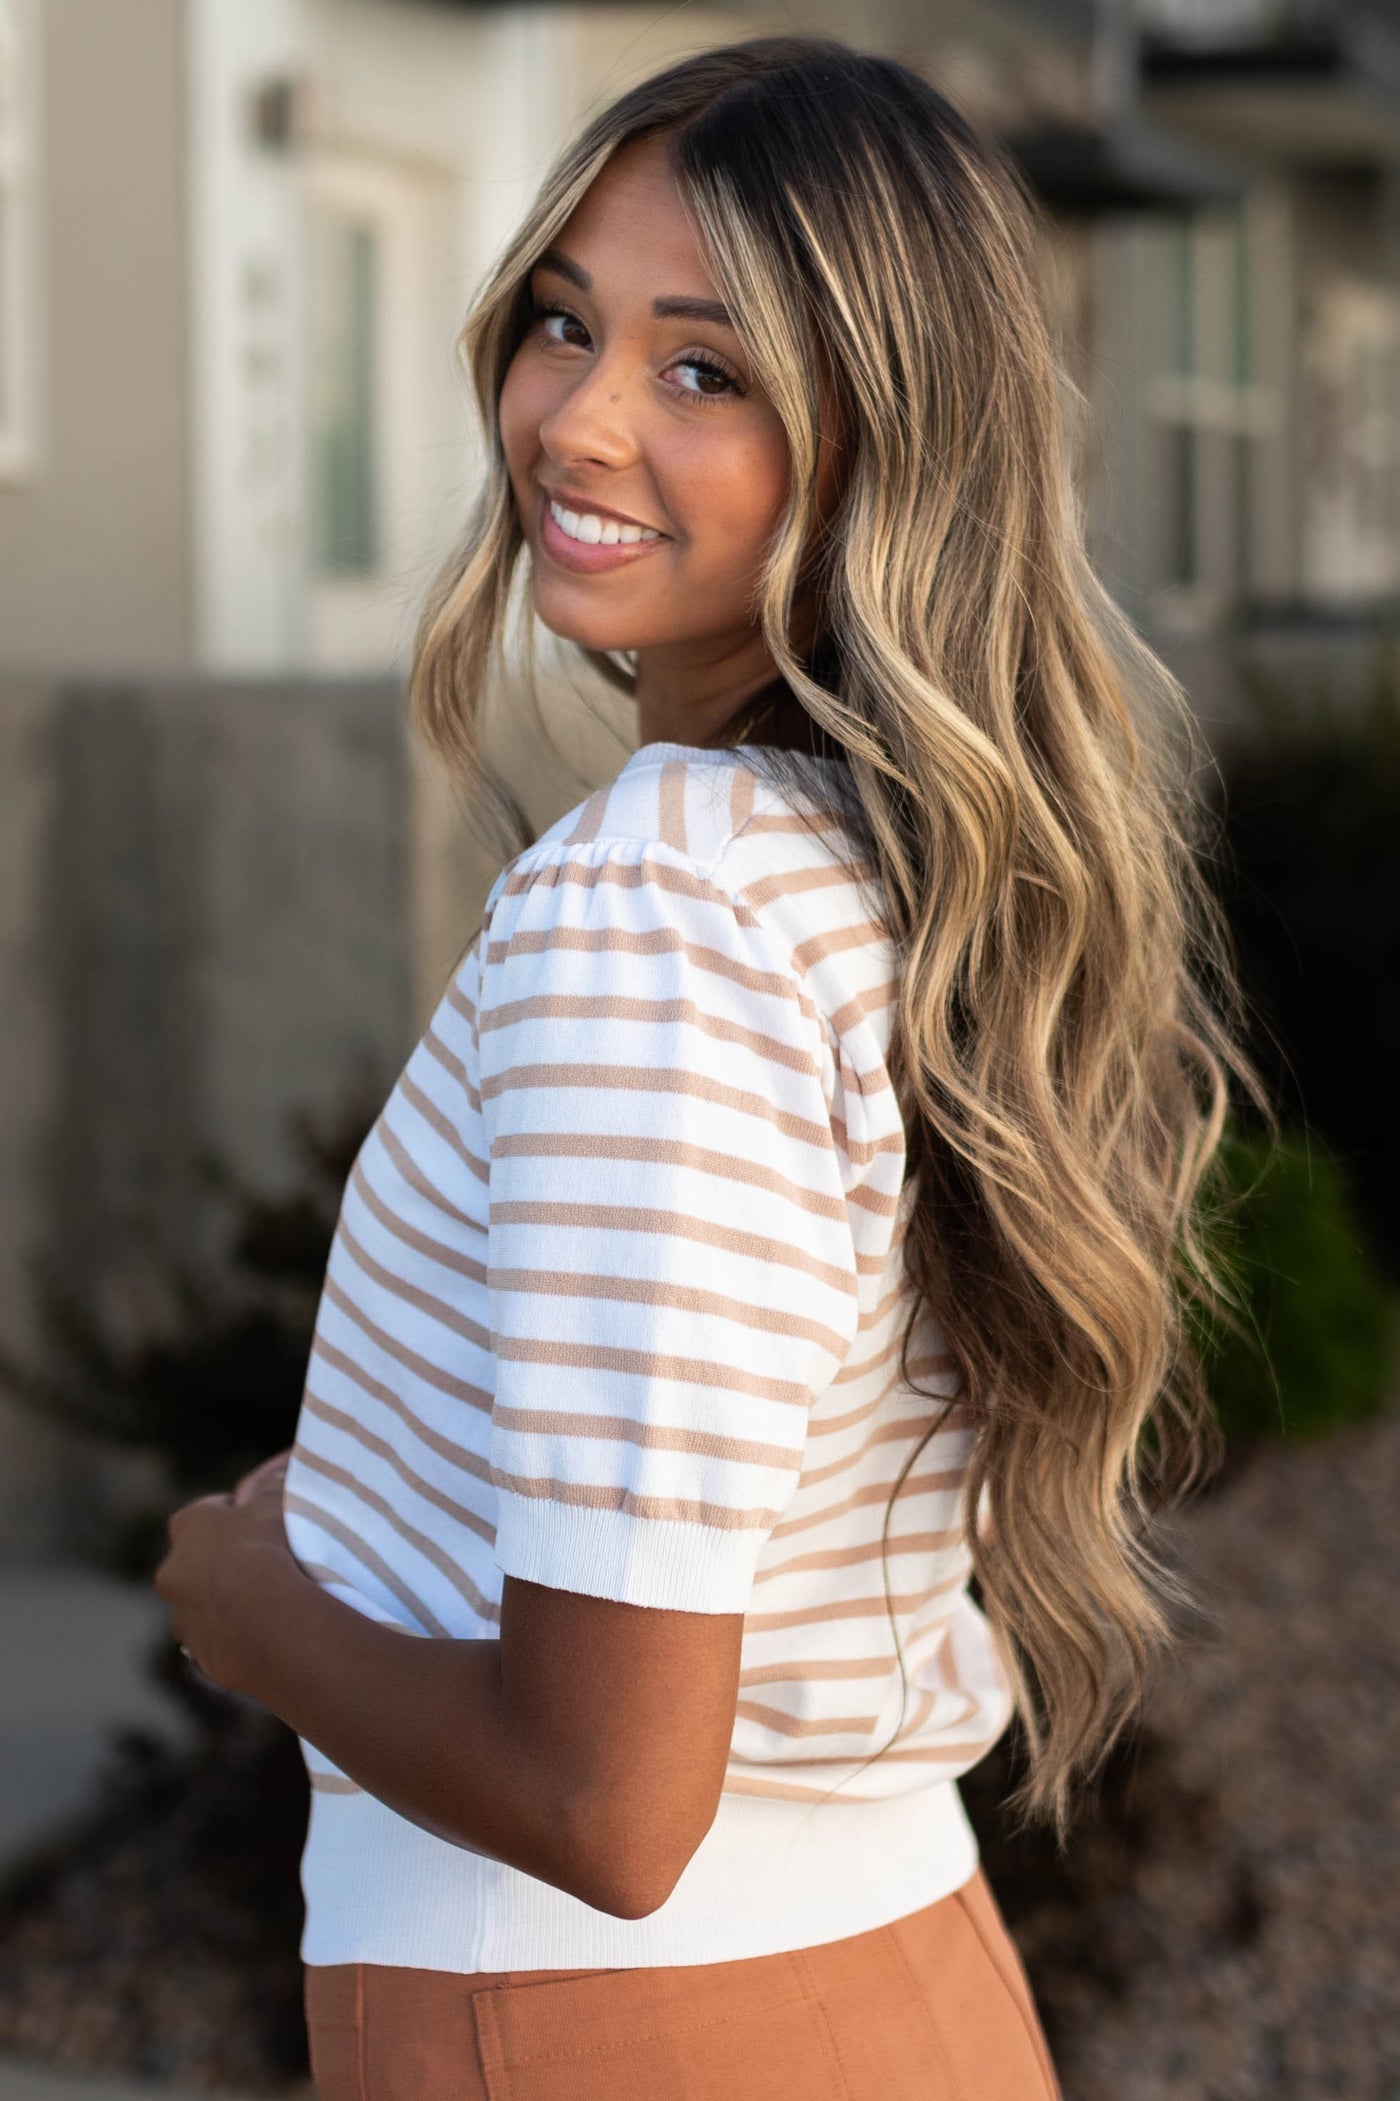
687, 833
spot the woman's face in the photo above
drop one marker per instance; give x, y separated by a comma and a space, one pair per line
631, 403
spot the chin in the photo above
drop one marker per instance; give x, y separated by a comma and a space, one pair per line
597, 633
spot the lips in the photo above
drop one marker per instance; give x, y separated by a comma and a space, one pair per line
581, 557
584, 506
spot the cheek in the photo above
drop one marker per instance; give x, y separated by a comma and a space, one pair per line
520, 413
729, 497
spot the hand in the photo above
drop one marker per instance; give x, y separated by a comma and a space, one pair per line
226, 1552
262, 1475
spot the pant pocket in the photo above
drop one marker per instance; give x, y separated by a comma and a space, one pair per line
331, 1998
680, 2034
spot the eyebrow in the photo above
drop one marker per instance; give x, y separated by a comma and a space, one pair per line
674, 308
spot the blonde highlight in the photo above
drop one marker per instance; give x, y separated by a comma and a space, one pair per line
1023, 772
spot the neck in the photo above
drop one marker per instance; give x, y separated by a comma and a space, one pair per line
683, 699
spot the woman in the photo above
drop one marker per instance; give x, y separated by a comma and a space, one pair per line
787, 1212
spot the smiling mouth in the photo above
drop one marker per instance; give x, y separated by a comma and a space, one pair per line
596, 528
585, 541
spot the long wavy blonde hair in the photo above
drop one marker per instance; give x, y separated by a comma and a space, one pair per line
1024, 769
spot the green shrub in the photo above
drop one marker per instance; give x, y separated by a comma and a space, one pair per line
1310, 880
1319, 1326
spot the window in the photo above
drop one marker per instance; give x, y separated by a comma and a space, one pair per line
1351, 428
17, 263
1206, 408
345, 529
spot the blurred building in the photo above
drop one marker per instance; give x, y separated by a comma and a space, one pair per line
237, 238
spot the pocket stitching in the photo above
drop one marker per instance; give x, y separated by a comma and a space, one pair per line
1035, 2039
654, 2035
955, 2085
818, 2006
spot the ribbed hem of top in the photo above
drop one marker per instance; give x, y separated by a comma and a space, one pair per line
607, 1554
769, 1875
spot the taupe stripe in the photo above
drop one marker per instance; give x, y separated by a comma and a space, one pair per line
451, 1065
457, 1389
670, 800
672, 1225
656, 941
457, 999
857, 1556
888, 1354
671, 1298
364, 1553
932, 1754
649, 1364
849, 1608
677, 1509
819, 1670
861, 1151
331, 1783
616, 1006
666, 1152
786, 1791
886, 1433
416, 1179
458, 1455
845, 1018
436, 1121
874, 1201
944, 1754
647, 872
413, 1294
793, 882
649, 1437
873, 1492
836, 1670
882, 1307
741, 786
336, 1419
774, 1719
658, 1079
833, 1425
420, 1541
422, 1243
819, 948
590, 819
818, 821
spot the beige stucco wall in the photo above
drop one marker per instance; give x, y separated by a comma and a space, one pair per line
94, 540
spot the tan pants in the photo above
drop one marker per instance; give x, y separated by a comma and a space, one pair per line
934, 2007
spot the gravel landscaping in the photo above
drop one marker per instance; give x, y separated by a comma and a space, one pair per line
1222, 1929
1230, 1928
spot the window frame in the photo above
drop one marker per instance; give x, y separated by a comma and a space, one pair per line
19, 245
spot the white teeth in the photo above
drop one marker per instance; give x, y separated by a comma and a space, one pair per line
594, 531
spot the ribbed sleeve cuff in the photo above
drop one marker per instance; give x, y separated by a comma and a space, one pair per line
609, 1554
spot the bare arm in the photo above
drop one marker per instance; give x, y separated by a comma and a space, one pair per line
587, 1746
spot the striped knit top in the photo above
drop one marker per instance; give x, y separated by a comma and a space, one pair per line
615, 1304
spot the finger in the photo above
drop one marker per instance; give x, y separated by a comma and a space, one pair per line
177, 1517
262, 1476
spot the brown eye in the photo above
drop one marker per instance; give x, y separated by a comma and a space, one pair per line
544, 314
708, 368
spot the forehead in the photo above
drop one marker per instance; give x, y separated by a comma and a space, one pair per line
633, 219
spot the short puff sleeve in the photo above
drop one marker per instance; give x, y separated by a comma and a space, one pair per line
671, 1272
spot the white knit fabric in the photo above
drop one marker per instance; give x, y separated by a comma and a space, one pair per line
615, 1304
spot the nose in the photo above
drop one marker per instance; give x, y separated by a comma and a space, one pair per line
593, 420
